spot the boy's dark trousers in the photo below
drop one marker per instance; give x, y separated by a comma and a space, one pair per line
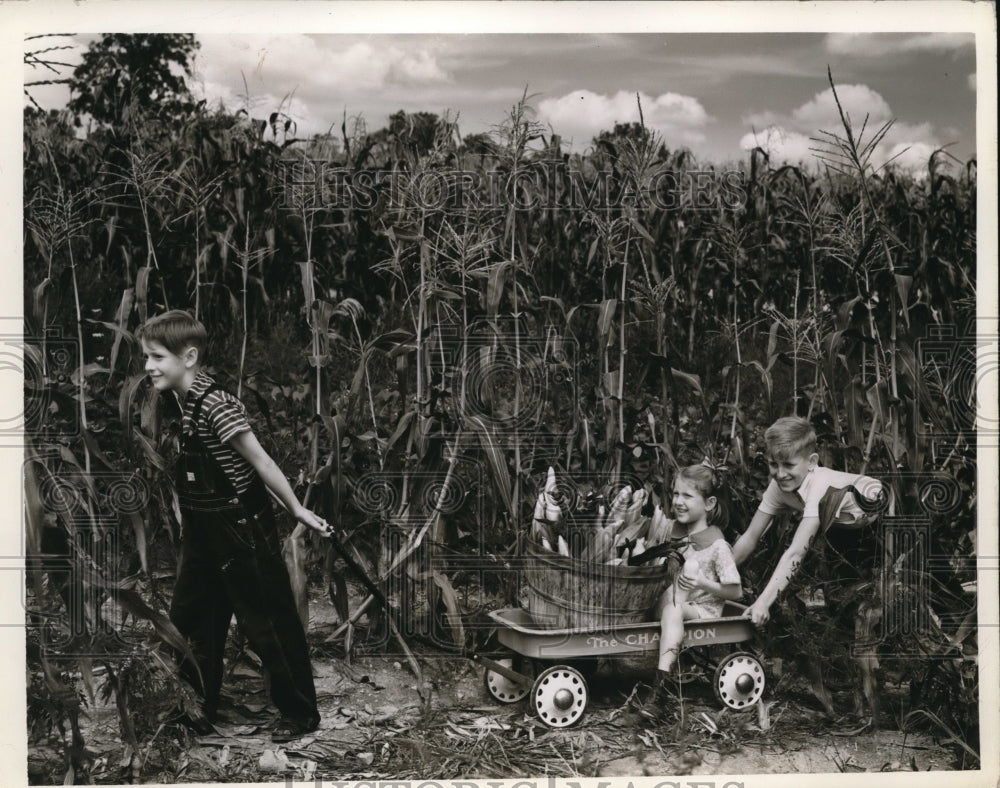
231, 563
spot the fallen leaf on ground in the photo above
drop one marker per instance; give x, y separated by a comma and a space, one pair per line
490, 724
254, 707
236, 730
274, 761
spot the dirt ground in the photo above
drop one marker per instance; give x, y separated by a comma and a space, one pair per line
380, 720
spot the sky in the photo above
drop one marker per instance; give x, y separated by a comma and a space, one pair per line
718, 94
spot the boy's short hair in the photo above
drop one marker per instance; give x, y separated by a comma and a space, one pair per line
789, 437
176, 330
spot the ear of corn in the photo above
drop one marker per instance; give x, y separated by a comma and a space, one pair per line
616, 533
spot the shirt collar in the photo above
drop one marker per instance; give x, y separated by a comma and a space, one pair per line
198, 386
803, 491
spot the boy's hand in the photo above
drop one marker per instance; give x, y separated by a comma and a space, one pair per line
758, 613
318, 524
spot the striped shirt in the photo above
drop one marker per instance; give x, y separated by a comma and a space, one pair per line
221, 418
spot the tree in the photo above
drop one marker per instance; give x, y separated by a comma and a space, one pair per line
122, 74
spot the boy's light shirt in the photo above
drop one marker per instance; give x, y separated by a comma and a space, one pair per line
807, 497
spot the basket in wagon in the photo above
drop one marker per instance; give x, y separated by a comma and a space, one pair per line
565, 592
595, 568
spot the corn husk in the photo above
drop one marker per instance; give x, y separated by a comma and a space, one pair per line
621, 503
600, 546
634, 512
599, 531
660, 528
550, 481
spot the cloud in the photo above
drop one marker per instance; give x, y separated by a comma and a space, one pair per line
786, 138
760, 120
857, 101
911, 156
323, 63
883, 44
780, 144
581, 114
314, 78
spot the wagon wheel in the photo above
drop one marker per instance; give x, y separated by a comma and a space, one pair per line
739, 680
559, 696
502, 688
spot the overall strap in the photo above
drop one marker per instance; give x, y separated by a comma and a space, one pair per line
206, 484
201, 401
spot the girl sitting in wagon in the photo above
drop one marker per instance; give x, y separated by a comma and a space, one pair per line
709, 577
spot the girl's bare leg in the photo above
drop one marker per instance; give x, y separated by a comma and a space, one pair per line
671, 627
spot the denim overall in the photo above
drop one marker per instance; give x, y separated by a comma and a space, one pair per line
231, 563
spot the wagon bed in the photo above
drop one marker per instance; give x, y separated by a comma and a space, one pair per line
519, 633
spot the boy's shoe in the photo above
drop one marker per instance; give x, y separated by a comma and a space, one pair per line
287, 729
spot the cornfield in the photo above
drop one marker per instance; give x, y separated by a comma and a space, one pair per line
423, 324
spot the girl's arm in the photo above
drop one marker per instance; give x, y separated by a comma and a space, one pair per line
247, 445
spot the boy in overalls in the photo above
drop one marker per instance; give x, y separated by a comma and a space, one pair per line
230, 552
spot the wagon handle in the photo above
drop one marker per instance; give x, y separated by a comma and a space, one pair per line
503, 670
